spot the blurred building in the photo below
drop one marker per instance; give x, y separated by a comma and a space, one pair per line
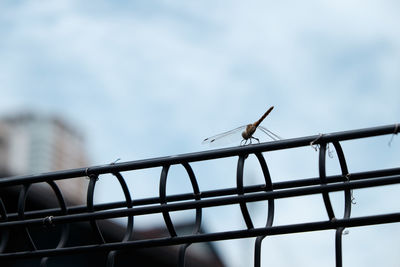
32, 143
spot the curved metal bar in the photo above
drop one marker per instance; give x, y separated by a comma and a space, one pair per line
197, 196
21, 207
197, 225
322, 177
268, 187
4, 233
347, 203
21, 210
271, 209
128, 200
89, 203
327, 202
167, 217
163, 198
61, 201
345, 172
240, 190
163, 189
129, 228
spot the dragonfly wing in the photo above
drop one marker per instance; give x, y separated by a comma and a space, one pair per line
269, 133
226, 137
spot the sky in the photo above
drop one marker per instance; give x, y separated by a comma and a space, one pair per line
154, 78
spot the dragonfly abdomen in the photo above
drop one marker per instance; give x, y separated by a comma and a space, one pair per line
263, 117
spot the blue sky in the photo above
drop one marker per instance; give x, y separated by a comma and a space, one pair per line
151, 79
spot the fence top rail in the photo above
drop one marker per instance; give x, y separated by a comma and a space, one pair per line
203, 155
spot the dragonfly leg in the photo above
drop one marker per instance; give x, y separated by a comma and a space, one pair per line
244, 141
255, 138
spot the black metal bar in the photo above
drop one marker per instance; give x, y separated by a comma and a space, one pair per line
322, 176
5, 232
212, 193
347, 204
178, 240
239, 184
271, 209
163, 193
89, 203
204, 155
205, 203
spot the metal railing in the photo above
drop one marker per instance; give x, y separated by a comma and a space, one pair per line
164, 204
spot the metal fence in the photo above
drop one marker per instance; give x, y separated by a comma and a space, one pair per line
164, 204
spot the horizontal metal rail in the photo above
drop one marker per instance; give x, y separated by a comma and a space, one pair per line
208, 203
168, 241
210, 193
204, 155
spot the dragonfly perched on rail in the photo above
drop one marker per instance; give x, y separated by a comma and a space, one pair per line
247, 132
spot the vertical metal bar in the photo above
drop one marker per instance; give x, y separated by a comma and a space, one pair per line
322, 177
338, 246
271, 209
240, 190
197, 224
89, 202
347, 204
163, 200
21, 212
129, 227
182, 254
111, 258
4, 233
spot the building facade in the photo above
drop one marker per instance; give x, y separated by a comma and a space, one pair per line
32, 143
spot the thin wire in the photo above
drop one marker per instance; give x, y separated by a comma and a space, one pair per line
396, 131
48, 221
312, 143
353, 199
316, 146
330, 152
115, 161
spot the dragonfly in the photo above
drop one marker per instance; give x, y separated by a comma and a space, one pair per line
247, 132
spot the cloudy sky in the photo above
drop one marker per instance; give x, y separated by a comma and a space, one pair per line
154, 78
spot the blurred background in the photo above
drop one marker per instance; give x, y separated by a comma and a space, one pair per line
90, 82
